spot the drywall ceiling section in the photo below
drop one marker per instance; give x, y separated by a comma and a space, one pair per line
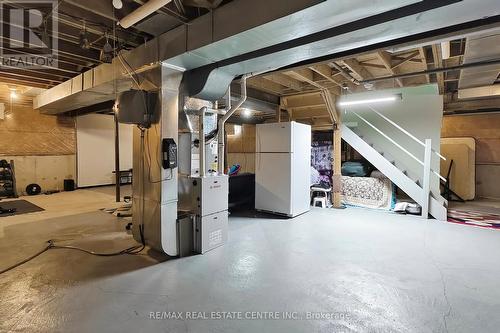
481, 48
95, 134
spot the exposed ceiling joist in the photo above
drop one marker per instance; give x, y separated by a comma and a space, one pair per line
438, 63
355, 67
209, 4
29, 83
406, 59
421, 51
326, 72
305, 75
369, 64
266, 85
385, 58
285, 81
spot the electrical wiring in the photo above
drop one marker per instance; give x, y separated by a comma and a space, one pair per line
48, 247
51, 245
129, 70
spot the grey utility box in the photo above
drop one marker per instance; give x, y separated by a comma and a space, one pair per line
209, 194
210, 231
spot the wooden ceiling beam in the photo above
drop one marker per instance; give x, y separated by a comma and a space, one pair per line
358, 69
304, 101
28, 82
325, 71
266, 85
406, 59
421, 51
369, 64
285, 81
305, 75
386, 59
438, 63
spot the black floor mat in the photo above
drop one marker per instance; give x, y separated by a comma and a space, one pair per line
20, 206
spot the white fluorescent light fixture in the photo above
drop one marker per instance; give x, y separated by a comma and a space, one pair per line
371, 100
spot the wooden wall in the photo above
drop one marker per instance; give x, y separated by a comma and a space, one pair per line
485, 128
241, 146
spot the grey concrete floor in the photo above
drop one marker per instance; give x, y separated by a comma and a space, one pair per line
365, 271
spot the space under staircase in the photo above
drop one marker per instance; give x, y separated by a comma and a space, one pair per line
415, 186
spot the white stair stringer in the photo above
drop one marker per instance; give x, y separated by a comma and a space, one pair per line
436, 208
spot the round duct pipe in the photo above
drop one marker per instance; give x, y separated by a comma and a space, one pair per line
142, 12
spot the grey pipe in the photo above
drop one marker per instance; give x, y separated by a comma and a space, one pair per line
229, 113
223, 120
201, 139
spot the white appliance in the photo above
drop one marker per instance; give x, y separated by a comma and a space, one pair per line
283, 168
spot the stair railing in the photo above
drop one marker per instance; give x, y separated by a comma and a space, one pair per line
422, 163
406, 132
426, 163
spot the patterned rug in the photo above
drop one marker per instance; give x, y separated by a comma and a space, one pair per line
479, 219
368, 192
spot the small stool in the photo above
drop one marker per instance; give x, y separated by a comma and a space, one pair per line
320, 195
319, 200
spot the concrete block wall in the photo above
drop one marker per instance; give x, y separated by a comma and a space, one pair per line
43, 147
47, 171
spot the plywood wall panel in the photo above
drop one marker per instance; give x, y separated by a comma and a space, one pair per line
485, 129
241, 147
487, 181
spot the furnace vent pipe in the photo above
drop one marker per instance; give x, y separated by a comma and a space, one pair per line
142, 12
222, 121
201, 140
229, 113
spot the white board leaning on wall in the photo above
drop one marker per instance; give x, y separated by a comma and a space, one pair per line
95, 141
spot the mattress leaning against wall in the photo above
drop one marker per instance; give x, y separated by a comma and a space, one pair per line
463, 172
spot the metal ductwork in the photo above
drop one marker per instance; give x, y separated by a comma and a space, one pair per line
228, 43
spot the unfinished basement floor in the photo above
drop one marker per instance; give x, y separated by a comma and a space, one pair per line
363, 271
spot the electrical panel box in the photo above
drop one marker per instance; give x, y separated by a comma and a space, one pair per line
210, 231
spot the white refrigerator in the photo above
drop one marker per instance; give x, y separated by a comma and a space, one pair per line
283, 168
